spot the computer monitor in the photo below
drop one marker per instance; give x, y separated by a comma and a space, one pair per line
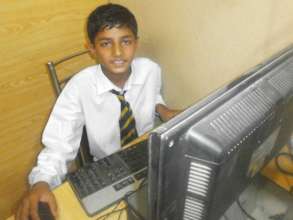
202, 159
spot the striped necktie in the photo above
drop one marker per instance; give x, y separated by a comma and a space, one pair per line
127, 126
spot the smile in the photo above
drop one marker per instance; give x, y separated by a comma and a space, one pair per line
118, 62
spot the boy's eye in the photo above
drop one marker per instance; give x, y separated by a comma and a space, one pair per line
105, 44
126, 41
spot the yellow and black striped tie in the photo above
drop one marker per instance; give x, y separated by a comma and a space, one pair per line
127, 126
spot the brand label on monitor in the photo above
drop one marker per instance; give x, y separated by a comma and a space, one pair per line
259, 155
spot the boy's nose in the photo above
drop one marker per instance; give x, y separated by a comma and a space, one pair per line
117, 50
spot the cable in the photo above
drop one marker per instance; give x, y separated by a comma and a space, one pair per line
104, 217
278, 164
243, 210
115, 210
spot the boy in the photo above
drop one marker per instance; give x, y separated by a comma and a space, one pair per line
93, 98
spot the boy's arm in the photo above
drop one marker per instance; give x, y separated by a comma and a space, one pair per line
61, 139
165, 113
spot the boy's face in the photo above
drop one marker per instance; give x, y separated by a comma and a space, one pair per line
115, 48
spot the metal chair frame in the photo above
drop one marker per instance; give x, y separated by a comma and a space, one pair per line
83, 156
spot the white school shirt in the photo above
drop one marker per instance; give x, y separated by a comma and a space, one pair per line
87, 100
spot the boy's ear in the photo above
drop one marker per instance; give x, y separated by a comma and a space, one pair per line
92, 50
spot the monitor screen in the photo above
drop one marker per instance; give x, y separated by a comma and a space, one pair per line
202, 159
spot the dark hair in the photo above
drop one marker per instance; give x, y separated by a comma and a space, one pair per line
109, 16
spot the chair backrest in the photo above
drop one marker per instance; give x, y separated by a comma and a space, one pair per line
58, 82
52, 67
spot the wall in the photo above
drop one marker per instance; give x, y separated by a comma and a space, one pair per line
203, 44
31, 34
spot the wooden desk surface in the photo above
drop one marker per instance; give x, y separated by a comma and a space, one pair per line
69, 207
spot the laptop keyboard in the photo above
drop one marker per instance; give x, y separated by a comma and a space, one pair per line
104, 182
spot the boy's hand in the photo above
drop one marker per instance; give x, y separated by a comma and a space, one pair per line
28, 207
165, 113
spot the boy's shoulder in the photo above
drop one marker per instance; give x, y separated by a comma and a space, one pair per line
145, 70
83, 77
87, 72
144, 62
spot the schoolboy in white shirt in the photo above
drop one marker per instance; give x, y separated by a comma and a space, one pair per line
88, 100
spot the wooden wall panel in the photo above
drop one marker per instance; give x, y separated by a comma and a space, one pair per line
31, 33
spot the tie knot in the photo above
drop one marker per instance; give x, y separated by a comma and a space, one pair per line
120, 95
117, 92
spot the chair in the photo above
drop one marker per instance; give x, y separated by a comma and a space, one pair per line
58, 82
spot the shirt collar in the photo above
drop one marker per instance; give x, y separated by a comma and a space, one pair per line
105, 85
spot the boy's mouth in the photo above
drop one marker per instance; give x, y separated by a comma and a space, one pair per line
118, 62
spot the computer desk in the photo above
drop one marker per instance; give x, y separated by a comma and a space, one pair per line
69, 207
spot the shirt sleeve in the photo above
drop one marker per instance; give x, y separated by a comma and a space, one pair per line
61, 138
159, 97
